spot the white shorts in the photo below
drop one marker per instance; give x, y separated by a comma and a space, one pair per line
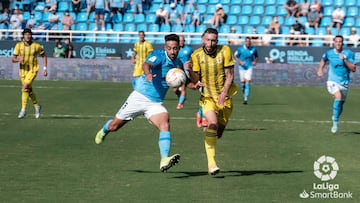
136, 105
333, 87
245, 74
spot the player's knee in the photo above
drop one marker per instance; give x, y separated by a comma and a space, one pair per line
212, 126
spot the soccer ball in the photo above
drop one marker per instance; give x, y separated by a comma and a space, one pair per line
175, 77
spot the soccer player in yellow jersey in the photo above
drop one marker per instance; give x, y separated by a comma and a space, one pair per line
142, 49
26, 53
213, 71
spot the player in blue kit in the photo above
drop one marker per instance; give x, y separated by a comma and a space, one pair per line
147, 99
341, 65
184, 56
247, 57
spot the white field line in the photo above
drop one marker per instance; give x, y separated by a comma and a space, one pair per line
181, 118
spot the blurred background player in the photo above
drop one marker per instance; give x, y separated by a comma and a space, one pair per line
26, 53
184, 56
218, 87
147, 99
341, 65
247, 57
142, 49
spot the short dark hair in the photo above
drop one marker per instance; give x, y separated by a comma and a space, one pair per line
172, 37
210, 31
27, 30
339, 36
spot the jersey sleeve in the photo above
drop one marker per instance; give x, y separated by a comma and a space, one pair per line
17, 49
228, 57
195, 62
149, 48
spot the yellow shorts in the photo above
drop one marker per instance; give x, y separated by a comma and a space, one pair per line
27, 76
223, 112
138, 71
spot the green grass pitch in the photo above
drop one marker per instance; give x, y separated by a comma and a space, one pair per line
266, 154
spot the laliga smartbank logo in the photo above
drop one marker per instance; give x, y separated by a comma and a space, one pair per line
326, 169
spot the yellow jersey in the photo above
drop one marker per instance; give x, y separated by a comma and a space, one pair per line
142, 52
30, 54
211, 70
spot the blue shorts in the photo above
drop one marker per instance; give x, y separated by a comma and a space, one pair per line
99, 11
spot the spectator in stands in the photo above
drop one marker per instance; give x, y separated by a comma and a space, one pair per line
313, 18
195, 17
274, 27
219, 18
233, 39
136, 7
116, 6
51, 5
16, 21
338, 17
59, 50
76, 6
303, 9
329, 39
101, 6
292, 8
298, 29
90, 7
53, 20
318, 7
69, 48
266, 38
354, 38
161, 16
31, 23
67, 21
175, 16
4, 21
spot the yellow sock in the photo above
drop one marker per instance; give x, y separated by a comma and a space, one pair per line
210, 145
33, 99
24, 99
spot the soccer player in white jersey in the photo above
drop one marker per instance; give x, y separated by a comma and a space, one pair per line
341, 65
147, 99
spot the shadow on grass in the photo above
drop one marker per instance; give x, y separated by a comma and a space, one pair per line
350, 133
244, 129
223, 174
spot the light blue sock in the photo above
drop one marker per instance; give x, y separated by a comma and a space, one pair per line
247, 91
164, 144
243, 88
181, 99
337, 109
106, 126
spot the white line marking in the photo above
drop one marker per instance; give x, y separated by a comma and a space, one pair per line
184, 118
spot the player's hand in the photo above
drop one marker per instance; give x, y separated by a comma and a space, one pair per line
320, 73
20, 58
149, 77
221, 98
199, 84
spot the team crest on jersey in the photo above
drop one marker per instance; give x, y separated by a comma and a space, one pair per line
219, 60
152, 59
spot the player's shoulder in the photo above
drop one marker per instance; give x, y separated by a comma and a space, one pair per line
198, 51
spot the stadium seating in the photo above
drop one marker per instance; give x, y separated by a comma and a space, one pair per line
242, 14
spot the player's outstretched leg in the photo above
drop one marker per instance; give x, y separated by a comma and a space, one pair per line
100, 136
37, 111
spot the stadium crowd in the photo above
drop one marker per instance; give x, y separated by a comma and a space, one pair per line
289, 17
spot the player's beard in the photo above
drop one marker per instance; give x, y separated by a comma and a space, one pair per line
210, 52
